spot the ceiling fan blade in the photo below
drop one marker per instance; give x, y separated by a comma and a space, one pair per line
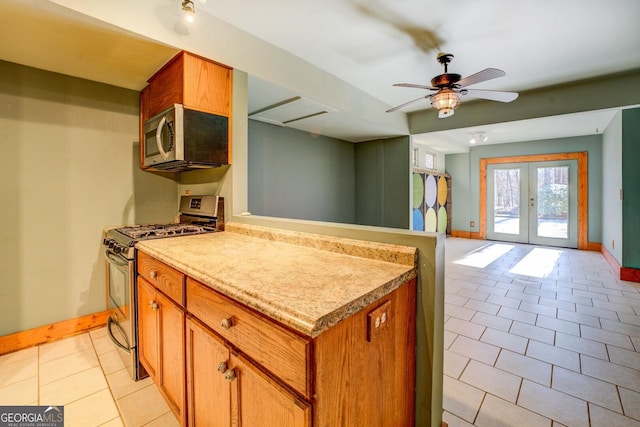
493, 95
481, 76
406, 103
415, 86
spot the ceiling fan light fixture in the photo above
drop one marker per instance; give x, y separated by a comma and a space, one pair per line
445, 101
188, 10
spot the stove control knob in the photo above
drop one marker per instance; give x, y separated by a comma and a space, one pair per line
117, 249
105, 241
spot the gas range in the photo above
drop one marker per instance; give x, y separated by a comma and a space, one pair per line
198, 215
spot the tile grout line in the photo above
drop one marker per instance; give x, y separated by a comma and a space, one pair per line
584, 283
106, 381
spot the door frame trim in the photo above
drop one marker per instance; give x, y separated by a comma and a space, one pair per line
583, 188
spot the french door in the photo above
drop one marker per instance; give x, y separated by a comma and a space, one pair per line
533, 202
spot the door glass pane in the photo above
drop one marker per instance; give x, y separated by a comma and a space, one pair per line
553, 202
506, 201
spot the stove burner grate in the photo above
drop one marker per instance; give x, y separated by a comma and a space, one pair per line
155, 231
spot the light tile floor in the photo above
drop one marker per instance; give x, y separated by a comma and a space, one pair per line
538, 336
84, 374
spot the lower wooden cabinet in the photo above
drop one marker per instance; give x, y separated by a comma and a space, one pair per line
148, 337
208, 391
219, 363
257, 400
161, 327
225, 389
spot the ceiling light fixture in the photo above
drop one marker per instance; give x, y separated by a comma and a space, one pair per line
478, 137
189, 11
445, 101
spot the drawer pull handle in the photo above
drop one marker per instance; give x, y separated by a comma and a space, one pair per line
222, 367
230, 375
153, 274
153, 305
227, 323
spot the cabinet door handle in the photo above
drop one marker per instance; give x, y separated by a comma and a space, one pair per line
222, 367
153, 305
226, 323
153, 274
230, 375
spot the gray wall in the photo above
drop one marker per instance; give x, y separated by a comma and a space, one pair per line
457, 166
611, 186
382, 182
591, 144
294, 174
70, 169
631, 195
577, 96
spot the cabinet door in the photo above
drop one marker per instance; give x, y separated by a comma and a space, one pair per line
207, 85
148, 327
166, 86
171, 337
257, 400
208, 392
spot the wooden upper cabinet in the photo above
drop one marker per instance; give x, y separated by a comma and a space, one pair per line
195, 82
207, 85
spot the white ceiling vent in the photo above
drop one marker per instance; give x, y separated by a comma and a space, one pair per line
290, 110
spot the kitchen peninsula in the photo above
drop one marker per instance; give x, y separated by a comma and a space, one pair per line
265, 326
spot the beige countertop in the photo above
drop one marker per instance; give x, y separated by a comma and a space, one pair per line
308, 282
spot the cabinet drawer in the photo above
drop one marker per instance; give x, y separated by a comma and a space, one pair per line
163, 277
280, 351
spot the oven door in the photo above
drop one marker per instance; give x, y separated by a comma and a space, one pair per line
121, 324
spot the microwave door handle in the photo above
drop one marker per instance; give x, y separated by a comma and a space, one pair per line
159, 138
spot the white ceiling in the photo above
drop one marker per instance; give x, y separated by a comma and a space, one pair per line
369, 44
567, 125
373, 44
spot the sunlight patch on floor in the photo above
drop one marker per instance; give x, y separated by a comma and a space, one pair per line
537, 263
485, 255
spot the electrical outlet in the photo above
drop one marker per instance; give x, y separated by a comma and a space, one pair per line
378, 320
472, 224
613, 244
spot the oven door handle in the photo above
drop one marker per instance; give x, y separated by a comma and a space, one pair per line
116, 259
113, 338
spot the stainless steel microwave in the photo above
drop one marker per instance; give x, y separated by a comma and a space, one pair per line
181, 139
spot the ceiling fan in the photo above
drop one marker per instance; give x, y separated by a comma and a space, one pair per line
449, 87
